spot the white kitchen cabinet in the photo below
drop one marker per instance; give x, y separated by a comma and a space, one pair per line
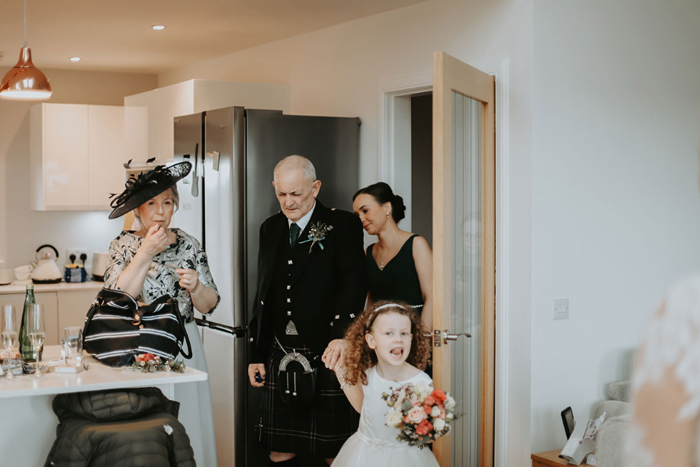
105, 154
149, 121
76, 156
58, 148
149, 127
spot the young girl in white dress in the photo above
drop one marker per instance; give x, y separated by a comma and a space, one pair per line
386, 351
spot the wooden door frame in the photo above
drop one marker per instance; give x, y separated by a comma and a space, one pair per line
395, 133
454, 75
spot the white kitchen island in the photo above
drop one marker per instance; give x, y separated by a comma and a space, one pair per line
27, 422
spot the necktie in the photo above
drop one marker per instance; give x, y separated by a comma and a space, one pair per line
294, 231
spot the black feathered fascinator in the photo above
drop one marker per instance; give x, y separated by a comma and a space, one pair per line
146, 186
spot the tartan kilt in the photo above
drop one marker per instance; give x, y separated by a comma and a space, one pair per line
320, 429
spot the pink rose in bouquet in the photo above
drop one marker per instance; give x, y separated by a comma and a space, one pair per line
424, 428
420, 413
415, 415
439, 395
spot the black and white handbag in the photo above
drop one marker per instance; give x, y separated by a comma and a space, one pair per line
117, 328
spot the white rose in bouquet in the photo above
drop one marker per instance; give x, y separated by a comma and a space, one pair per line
423, 391
439, 424
450, 403
393, 418
435, 412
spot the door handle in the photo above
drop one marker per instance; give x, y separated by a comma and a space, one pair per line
453, 337
443, 337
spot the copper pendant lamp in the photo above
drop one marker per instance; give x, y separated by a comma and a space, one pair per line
25, 81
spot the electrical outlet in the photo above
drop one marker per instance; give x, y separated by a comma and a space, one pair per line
77, 252
561, 308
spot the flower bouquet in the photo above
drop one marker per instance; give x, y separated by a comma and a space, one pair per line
420, 412
149, 363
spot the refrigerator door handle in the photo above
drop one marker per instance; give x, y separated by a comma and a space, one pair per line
195, 185
236, 331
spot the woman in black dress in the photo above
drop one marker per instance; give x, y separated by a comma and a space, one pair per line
400, 264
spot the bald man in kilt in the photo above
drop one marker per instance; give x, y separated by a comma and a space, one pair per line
311, 284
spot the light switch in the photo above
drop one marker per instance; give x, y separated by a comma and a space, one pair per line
561, 308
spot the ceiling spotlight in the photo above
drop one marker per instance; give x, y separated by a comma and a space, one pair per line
158, 27
75, 59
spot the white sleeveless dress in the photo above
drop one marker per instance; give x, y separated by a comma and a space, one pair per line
374, 443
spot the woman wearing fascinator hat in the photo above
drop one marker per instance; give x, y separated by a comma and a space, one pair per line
156, 260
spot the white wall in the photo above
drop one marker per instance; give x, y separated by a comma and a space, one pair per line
615, 204
23, 230
340, 71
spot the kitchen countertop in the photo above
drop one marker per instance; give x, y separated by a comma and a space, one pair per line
26, 403
97, 376
59, 287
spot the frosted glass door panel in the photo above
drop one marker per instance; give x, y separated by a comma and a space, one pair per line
466, 271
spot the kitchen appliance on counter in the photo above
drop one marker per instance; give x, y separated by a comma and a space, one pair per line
99, 265
234, 151
46, 270
74, 272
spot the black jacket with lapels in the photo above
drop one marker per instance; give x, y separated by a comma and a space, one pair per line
327, 286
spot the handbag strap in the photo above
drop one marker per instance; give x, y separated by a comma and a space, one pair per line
187, 355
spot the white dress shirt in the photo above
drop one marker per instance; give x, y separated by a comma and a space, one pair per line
304, 220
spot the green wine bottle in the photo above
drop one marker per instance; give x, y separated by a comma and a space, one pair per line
26, 349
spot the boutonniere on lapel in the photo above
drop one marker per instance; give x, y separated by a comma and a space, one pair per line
317, 233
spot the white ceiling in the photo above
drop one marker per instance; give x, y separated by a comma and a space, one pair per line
116, 35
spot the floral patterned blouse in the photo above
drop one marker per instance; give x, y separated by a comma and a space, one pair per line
185, 253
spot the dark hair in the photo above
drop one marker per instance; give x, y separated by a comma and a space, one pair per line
382, 193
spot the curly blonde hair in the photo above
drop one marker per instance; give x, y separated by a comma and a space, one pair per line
360, 357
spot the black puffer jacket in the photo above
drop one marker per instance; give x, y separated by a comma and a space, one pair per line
119, 428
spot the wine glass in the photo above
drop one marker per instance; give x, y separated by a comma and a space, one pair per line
37, 333
9, 335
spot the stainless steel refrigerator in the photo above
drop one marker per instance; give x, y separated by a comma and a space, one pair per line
223, 202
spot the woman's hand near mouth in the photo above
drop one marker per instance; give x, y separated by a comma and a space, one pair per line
155, 242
